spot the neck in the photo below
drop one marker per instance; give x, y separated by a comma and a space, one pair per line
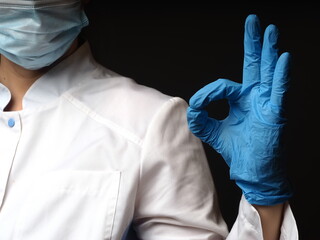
18, 79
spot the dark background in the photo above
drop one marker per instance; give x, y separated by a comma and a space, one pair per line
177, 49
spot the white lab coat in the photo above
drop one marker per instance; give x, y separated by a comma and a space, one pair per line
92, 151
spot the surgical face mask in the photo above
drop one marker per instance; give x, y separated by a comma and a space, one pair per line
35, 33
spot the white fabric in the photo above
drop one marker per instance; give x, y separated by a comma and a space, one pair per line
92, 151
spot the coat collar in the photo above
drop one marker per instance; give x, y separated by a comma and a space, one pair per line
56, 81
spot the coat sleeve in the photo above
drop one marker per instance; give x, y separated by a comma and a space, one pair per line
248, 225
176, 196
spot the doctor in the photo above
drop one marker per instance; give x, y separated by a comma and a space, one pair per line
85, 151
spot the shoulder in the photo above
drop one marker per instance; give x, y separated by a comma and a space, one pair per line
122, 100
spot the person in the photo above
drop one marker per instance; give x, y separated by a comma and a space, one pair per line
85, 152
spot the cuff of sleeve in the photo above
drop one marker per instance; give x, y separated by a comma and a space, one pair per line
248, 223
289, 228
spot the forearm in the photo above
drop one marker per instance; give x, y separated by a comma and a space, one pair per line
271, 220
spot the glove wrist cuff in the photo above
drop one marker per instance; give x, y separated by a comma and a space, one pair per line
266, 194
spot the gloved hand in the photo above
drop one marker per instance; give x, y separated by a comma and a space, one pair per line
249, 139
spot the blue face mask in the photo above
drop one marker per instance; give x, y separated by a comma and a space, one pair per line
35, 33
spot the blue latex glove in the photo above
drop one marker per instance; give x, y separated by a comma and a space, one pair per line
249, 139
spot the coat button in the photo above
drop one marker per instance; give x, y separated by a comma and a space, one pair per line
11, 122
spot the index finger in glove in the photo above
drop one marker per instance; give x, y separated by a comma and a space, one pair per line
199, 123
220, 89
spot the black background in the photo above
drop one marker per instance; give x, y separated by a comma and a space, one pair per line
178, 48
